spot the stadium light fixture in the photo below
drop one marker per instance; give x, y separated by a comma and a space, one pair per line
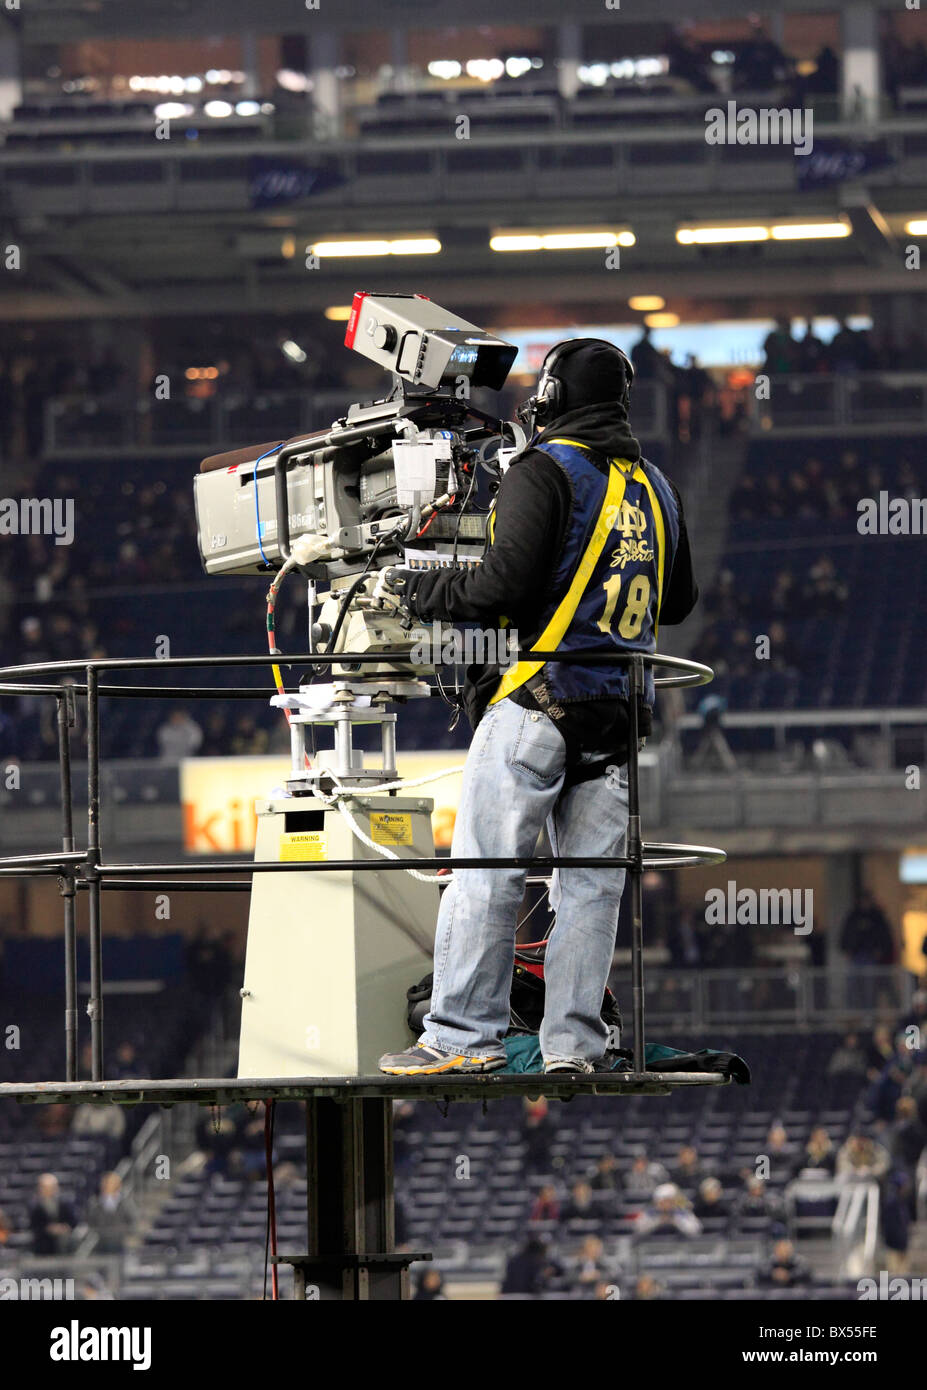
666, 320
401, 246
716, 236
576, 239
646, 303
916, 227
338, 313
808, 231
445, 68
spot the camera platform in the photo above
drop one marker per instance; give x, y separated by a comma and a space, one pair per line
351, 1240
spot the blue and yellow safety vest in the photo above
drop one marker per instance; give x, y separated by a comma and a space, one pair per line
607, 588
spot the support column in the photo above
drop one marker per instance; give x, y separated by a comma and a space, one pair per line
251, 87
325, 47
11, 86
350, 1209
861, 89
403, 76
569, 56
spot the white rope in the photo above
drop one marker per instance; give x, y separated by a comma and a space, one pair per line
339, 798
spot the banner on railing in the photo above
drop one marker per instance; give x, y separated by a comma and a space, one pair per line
274, 181
218, 795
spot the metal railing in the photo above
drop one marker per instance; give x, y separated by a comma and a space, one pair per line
81, 426
842, 401
86, 870
762, 998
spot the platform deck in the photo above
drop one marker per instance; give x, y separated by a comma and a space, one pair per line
226, 1091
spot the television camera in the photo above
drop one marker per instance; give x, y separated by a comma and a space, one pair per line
402, 480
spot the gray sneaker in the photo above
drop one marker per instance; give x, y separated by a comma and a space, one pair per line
568, 1064
430, 1061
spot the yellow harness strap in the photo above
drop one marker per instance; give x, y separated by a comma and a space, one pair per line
555, 630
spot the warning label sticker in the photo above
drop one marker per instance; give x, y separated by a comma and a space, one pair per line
391, 827
306, 844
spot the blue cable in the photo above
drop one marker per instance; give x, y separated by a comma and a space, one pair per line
257, 510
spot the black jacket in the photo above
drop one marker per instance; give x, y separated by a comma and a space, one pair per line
532, 517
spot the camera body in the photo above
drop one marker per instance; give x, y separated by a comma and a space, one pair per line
398, 479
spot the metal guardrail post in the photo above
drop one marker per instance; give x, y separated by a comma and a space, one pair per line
634, 851
65, 712
95, 1003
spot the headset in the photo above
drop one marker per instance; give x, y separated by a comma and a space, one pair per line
548, 402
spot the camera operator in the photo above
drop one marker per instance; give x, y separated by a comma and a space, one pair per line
587, 551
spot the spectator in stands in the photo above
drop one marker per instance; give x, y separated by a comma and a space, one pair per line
670, 1213
112, 1215
760, 63
861, 1159
867, 940
52, 1218
848, 1058
531, 1270
582, 1205
785, 1270
777, 1140
545, 1206
757, 1202
819, 1153
644, 1176
689, 62
539, 1134
907, 1137
688, 1170
825, 80
106, 1122
648, 361
917, 1085
781, 353
647, 1290
880, 1051
127, 1065
897, 1212
247, 739
711, 1204
589, 1268
604, 1177
825, 594
178, 737
215, 735
846, 351
6, 1230
430, 1286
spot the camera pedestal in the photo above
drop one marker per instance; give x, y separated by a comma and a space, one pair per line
331, 954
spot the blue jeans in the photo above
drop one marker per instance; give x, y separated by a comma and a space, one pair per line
512, 783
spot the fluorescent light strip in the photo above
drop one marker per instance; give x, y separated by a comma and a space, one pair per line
780, 231
405, 246
712, 236
560, 241
808, 231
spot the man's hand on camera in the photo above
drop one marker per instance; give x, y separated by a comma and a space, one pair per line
389, 590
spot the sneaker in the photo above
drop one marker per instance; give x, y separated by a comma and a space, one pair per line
568, 1064
429, 1061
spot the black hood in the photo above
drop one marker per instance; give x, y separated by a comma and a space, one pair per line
604, 427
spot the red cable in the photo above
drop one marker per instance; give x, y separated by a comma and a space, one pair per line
271, 1198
